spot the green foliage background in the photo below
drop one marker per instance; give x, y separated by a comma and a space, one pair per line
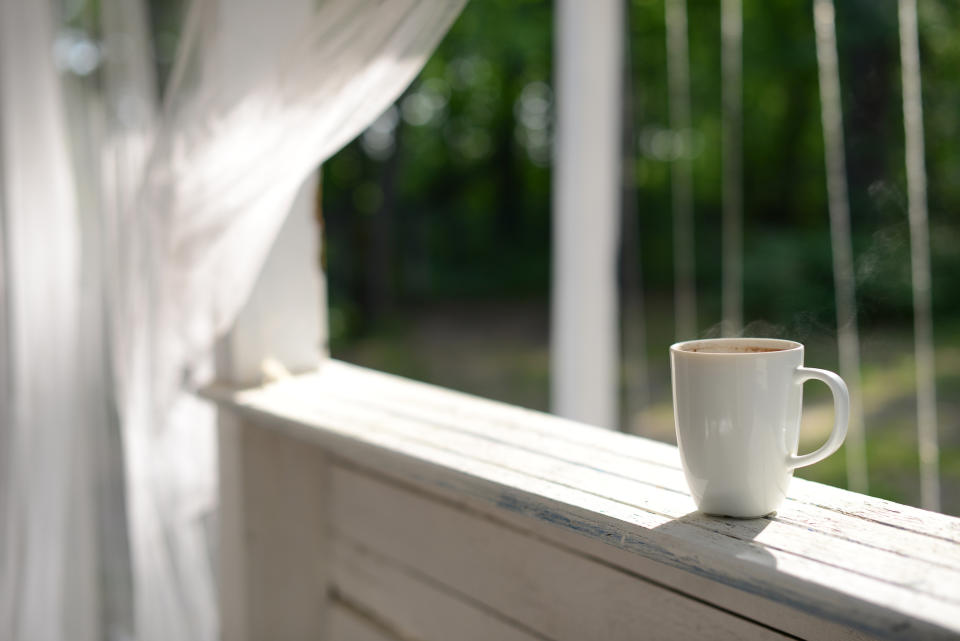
459, 207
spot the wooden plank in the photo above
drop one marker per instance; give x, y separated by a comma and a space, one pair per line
869, 508
274, 571
412, 603
756, 606
876, 607
347, 624
562, 595
464, 408
400, 449
461, 406
929, 547
941, 582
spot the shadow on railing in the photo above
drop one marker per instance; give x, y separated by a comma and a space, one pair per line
739, 529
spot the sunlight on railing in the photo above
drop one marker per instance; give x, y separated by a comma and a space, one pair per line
848, 341
919, 257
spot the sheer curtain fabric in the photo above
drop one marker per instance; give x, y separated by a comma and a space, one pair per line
193, 187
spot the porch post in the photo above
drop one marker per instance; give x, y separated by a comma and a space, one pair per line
586, 207
272, 507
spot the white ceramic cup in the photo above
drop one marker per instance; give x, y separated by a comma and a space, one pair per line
737, 405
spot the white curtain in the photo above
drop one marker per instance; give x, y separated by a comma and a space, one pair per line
194, 186
46, 544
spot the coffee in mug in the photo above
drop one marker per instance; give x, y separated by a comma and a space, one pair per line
737, 405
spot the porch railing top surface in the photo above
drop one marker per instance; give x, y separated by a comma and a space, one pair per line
862, 564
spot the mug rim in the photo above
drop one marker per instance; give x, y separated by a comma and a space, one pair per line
781, 345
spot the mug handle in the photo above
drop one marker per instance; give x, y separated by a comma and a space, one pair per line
841, 414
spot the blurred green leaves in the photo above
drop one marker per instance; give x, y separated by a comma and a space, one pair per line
454, 181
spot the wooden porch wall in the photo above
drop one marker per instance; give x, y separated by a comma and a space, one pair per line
371, 507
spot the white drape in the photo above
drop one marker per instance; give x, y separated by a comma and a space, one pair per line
45, 545
194, 188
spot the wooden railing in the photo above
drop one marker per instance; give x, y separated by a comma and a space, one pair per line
359, 505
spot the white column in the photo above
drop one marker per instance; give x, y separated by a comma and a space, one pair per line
586, 210
283, 324
271, 525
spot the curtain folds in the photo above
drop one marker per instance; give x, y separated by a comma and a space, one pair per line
191, 190
46, 544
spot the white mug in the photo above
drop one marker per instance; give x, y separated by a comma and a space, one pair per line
737, 405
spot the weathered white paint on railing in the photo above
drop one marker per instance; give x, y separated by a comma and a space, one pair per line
273, 565
660, 465
416, 469
400, 593
558, 593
